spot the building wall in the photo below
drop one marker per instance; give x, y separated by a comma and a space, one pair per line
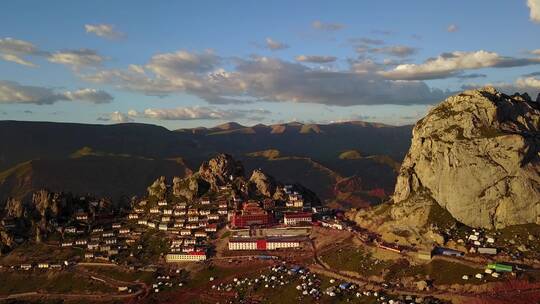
242, 246
263, 245
294, 221
171, 258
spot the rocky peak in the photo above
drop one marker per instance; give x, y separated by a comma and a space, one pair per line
158, 188
477, 155
14, 208
262, 183
221, 169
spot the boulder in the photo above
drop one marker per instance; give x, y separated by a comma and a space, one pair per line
476, 155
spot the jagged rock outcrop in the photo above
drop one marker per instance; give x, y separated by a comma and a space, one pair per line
14, 208
158, 188
221, 170
262, 183
190, 187
476, 155
224, 170
48, 204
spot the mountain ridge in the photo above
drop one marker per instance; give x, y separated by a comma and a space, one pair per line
70, 145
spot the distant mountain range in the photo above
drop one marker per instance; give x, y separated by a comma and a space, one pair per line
350, 163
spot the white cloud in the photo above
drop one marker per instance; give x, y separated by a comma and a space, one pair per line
274, 45
206, 113
319, 25
116, 117
534, 6
15, 46
13, 92
77, 58
528, 82
181, 64
103, 30
91, 95
15, 50
452, 64
17, 59
535, 52
452, 28
120, 117
268, 79
132, 113
315, 58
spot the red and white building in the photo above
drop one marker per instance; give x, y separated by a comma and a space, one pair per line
297, 218
250, 215
263, 244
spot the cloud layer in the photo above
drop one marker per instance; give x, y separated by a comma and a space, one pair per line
15, 50
452, 64
13, 92
264, 79
103, 30
188, 113
199, 113
77, 58
18, 51
396, 50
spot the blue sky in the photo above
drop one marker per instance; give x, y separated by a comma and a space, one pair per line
201, 63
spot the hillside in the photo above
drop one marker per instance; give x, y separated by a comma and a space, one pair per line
53, 155
474, 162
100, 176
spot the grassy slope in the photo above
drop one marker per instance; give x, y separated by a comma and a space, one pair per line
111, 176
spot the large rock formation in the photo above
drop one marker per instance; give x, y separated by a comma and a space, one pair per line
262, 183
224, 170
158, 188
221, 170
476, 155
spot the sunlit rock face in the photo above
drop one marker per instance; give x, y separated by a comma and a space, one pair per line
477, 155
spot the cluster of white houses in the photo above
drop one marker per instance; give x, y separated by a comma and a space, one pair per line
295, 199
98, 241
187, 227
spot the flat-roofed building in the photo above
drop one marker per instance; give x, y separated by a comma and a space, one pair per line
296, 218
185, 257
241, 243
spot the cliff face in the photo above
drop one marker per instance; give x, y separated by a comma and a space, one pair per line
477, 155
